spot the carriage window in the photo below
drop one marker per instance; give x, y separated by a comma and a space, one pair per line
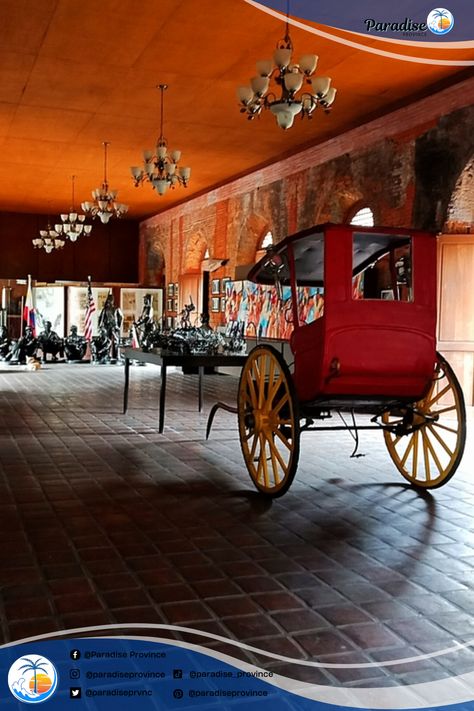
382, 267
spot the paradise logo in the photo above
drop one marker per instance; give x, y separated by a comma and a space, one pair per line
439, 21
32, 679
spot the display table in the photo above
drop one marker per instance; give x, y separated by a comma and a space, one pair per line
165, 359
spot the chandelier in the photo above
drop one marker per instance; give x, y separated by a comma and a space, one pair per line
48, 240
290, 78
105, 203
72, 223
161, 168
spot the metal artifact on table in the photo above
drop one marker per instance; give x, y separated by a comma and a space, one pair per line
50, 343
235, 335
75, 346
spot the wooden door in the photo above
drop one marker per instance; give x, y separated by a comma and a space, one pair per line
456, 307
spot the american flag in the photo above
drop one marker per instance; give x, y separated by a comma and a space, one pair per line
90, 309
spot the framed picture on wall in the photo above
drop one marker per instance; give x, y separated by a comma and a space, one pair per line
224, 282
176, 289
170, 289
223, 302
216, 287
215, 304
169, 305
175, 305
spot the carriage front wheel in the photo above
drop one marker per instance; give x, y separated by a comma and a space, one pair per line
268, 421
428, 444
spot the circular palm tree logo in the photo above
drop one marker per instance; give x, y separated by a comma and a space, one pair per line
440, 21
32, 679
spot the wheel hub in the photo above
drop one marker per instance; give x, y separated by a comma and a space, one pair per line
264, 421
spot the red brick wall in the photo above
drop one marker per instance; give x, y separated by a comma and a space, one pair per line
385, 164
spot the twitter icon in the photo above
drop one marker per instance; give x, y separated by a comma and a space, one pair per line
75, 692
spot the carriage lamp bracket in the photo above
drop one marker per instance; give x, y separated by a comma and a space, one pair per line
277, 265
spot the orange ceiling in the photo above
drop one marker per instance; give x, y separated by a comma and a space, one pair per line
73, 74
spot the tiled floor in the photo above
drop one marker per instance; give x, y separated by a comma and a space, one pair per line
105, 521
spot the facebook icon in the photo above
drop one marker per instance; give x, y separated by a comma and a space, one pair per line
75, 654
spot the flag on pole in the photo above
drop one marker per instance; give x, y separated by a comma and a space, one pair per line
90, 310
135, 341
28, 308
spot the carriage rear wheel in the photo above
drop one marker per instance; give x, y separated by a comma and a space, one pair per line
429, 443
268, 421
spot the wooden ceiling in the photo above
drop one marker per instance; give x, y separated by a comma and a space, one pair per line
74, 74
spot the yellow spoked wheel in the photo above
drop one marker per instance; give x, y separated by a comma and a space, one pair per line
430, 435
268, 421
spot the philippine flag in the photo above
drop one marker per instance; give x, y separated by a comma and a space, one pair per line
28, 309
135, 341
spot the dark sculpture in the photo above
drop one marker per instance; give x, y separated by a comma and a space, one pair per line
24, 347
110, 321
4, 342
75, 346
101, 347
185, 315
50, 342
145, 326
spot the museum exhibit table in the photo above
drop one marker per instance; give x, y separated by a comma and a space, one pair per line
164, 359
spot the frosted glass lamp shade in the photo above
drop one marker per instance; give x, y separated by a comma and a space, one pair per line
260, 85
330, 96
264, 67
321, 86
282, 57
293, 82
308, 63
161, 186
245, 94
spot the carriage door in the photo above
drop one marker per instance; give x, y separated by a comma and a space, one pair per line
456, 307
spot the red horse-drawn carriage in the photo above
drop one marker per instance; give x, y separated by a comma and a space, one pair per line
372, 351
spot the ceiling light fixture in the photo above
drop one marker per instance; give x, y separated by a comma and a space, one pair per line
48, 240
290, 78
72, 223
161, 168
105, 203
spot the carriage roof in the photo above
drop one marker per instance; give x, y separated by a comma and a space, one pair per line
369, 244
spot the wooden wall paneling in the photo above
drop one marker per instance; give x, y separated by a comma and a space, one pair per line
456, 307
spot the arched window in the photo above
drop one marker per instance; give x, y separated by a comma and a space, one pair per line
363, 218
267, 240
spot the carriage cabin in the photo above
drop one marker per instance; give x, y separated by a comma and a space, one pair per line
376, 338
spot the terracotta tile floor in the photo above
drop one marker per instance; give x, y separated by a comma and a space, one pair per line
104, 521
